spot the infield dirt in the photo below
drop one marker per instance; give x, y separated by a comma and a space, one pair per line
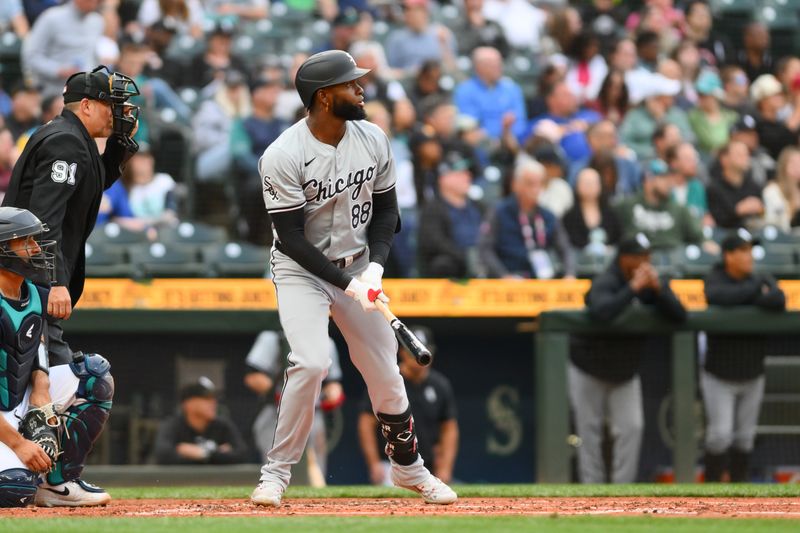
606, 506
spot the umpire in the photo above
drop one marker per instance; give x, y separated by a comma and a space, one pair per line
61, 175
603, 374
732, 379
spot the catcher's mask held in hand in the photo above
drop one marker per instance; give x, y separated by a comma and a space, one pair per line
35, 261
114, 88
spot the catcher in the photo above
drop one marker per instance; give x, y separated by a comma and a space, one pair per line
41, 458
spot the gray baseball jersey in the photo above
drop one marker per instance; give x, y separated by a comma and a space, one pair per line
333, 185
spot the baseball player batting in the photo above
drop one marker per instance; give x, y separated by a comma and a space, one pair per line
328, 184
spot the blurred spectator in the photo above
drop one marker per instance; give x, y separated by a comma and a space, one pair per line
603, 141
12, 17
665, 137
212, 126
233, 10
612, 101
623, 56
787, 70
289, 102
664, 9
198, 434
655, 214
591, 220
653, 19
212, 63
755, 57
775, 132
603, 374
403, 256
636, 130
685, 65
715, 48
490, 97
185, 17
734, 200
426, 153
378, 84
606, 19
438, 115
419, 40
343, 31
556, 195
250, 136
115, 207
762, 165
264, 375
588, 69
51, 108
647, 50
563, 27
687, 189
50, 54
426, 83
450, 224
26, 108
518, 236
151, 194
782, 195
8, 156
474, 29
550, 75
433, 401
34, 8
572, 121
732, 379
736, 89
710, 122
522, 23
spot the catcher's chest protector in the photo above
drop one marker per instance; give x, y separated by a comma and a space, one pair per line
20, 335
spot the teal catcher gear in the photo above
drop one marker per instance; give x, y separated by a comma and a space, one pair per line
17, 487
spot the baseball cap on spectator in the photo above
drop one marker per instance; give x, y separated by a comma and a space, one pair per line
652, 84
548, 155
709, 84
765, 86
264, 81
346, 17
223, 29
454, 161
745, 123
738, 239
234, 78
202, 388
637, 244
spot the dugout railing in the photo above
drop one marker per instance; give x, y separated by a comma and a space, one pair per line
553, 449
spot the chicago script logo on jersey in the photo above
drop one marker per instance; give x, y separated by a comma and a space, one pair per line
327, 189
270, 189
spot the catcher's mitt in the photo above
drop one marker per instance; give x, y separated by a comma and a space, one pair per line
40, 425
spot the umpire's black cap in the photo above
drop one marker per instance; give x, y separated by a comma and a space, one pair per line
202, 388
100, 84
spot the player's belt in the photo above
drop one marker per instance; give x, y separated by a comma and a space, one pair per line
345, 262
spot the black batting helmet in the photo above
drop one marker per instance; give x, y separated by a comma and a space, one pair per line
38, 266
323, 70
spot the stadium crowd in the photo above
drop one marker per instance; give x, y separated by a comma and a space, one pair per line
529, 136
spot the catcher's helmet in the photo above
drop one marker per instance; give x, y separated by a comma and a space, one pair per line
323, 70
18, 223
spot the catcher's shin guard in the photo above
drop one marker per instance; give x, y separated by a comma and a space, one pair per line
17, 487
401, 438
85, 419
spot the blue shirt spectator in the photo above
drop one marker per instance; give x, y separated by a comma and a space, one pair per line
488, 96
114, 204
409, 47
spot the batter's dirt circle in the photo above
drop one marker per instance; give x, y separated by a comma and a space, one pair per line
685, 507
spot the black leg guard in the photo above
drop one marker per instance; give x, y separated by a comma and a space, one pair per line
740, 466
401, 439
84, 421
715, 466
17, 487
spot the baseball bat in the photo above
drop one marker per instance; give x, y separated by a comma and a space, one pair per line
406, 337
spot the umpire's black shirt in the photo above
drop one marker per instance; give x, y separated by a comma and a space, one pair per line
615, 358
739, 357
60, 178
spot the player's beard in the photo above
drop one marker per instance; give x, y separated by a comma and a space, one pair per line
347, 111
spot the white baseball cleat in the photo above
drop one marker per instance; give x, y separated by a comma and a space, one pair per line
432, 490
267, 493
76, 493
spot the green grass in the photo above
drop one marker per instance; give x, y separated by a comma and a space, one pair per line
486, 491
577, 524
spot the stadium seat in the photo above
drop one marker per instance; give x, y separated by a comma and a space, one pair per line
192, 233
237, 260
107, 262
158, 260
112, 234
589, 264
779, 264
694, 261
